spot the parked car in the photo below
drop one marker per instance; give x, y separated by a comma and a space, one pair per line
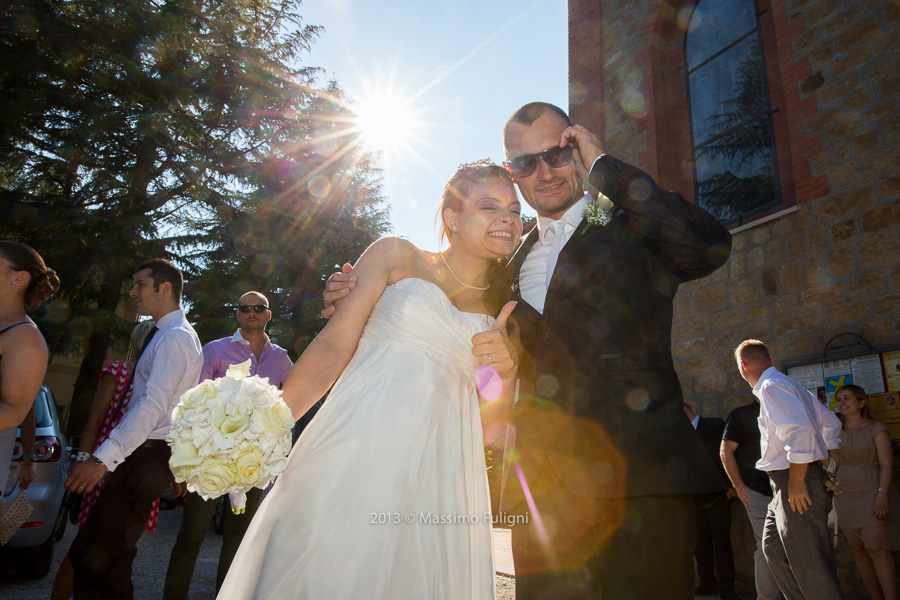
32, 545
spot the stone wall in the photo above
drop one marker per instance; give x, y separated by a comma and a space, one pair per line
833, 265
826, 263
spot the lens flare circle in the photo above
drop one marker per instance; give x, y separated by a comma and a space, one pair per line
319, 186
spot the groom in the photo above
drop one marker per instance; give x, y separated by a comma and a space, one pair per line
605, 462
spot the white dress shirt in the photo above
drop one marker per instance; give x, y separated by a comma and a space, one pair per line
794, 426
537, 268
169, 367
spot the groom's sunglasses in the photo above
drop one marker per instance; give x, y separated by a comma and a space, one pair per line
525, 165
257, 308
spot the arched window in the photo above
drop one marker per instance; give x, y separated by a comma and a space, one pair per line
732, 140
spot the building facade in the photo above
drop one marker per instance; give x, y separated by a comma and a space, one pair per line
783, 119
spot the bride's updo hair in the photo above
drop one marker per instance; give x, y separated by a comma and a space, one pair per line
43, 282
461, 184
467, 176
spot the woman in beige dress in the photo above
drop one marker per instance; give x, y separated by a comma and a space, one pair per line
868, 508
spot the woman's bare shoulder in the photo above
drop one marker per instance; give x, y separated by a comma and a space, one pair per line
405, 258
26, 337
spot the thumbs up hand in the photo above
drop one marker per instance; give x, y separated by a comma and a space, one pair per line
494, 346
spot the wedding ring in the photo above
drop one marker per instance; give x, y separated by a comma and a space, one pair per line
490, 360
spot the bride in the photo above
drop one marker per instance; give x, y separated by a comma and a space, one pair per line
385, 494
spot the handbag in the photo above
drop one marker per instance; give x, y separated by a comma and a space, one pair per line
12, 514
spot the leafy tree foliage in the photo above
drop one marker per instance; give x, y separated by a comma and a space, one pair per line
181, 128
312, 211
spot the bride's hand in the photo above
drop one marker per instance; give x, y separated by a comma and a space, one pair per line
494, 347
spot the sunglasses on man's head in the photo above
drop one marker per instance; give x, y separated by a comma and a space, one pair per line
525, 165
257, 308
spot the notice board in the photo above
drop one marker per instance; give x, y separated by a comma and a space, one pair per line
876, 370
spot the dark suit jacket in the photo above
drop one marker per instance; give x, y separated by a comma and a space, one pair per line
600, 402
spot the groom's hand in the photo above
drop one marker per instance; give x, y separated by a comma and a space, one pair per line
337, 286
587, 148
494, 346
84, 476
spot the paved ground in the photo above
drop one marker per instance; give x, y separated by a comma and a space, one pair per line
153, 557
149, 567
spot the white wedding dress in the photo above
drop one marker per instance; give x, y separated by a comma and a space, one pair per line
385, 495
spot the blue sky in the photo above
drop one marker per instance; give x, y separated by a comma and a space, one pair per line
461, 67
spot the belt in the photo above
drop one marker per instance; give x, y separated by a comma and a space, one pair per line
811, 465
153, 444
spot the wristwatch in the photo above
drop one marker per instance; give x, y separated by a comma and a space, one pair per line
82, 456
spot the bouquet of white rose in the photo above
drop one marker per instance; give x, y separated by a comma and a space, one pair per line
229, 435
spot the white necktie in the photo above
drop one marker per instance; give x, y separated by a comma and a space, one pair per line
557, 234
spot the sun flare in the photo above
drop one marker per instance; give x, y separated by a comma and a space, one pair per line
385, 122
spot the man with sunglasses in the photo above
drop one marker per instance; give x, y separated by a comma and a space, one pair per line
266, 360
606, 463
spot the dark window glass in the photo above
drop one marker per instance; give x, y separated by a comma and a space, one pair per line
714, 25
735, 166
727, 91
736, 174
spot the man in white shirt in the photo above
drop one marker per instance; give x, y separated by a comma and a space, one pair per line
797, 432
136, 453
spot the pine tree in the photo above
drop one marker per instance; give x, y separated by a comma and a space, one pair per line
135, 128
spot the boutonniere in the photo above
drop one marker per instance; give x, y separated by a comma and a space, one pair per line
594, 214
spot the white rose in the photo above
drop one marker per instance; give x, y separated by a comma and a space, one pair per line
278, 418
215, 479
181, 473
249, 467
198, 395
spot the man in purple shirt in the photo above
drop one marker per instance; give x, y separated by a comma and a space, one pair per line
266, 360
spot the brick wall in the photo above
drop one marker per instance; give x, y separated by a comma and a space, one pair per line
831, 264
834, 264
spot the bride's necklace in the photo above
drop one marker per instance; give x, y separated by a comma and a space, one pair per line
471, 287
